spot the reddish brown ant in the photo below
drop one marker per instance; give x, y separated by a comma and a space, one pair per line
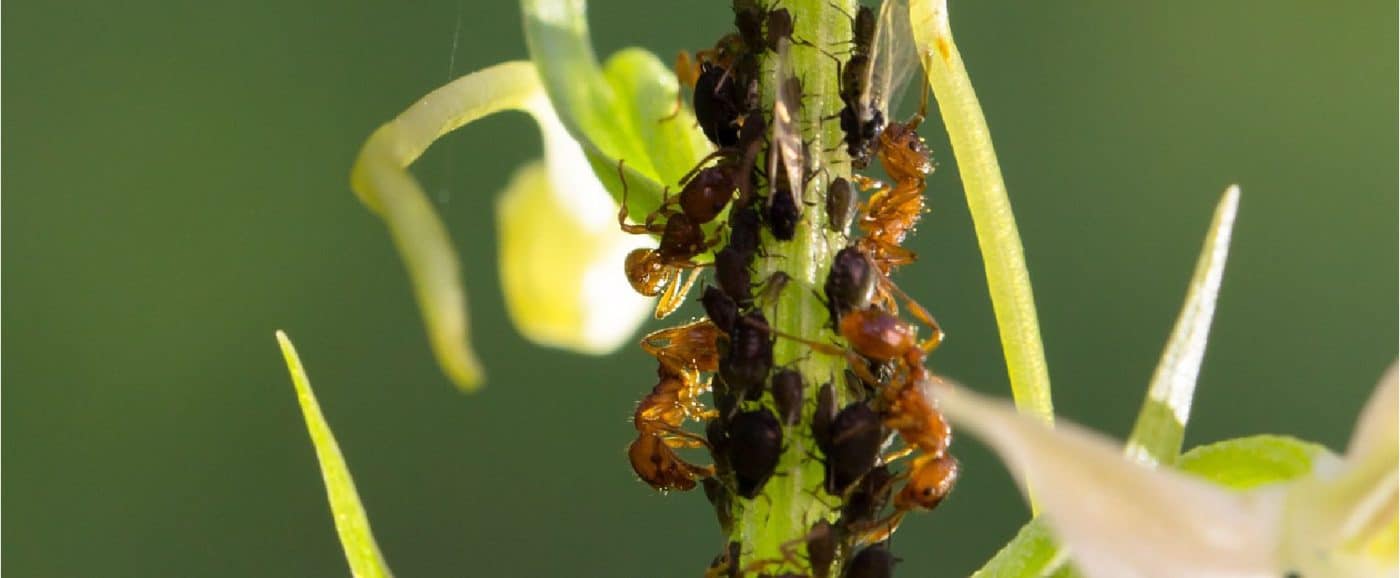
658, 271
658, 420
892, 212
689, 347
682, 354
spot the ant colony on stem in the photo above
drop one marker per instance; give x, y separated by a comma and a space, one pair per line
881, 444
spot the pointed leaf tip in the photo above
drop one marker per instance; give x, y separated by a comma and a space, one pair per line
351, 523
1161, 424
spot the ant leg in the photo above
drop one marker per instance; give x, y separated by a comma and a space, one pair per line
672, 297
868, 184
643, 229
856, 361
686, 73
923, 105
675, 293
679, 438
921, 314
898, 454
878, 531
701, 165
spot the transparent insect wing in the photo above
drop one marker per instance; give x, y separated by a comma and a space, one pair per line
893, 58
787, 136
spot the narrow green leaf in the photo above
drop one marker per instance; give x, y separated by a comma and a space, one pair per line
1031, 554
1248, 462
1002, 256
381, 179
350, 521
1161, 425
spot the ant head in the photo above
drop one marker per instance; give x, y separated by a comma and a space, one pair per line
646, 272
929, 483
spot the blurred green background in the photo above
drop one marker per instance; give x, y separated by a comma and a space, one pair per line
176, 191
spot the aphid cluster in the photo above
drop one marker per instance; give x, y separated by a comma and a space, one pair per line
756, 404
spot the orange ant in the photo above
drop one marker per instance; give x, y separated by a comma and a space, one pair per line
658, 271
892, 212
658, 420
682, 353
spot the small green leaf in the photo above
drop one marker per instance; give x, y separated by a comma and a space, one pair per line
1248, 462
350, 521
1003, 257
1031, 554
1161, 425
667, 130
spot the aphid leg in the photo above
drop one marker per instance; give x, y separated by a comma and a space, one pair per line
773, 287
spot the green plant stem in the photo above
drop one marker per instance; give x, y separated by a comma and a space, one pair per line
793, 499
1007, 278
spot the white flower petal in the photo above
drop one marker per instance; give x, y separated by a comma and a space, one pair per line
1377, 427
1118, 518
561, 251
1343, 522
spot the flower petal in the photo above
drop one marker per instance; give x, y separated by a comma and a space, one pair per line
561, 251
1345, 523
1116, 517
1377, 427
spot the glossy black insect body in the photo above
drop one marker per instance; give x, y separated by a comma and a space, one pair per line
869, 496
746, 366
842, 203
783, 212
821, 548
732, 274
873, 562
756, 442
719, 103
787, 395
744, 224
856, 435
850, 284
720, 308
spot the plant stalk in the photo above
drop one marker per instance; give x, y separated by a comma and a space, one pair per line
794, 500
